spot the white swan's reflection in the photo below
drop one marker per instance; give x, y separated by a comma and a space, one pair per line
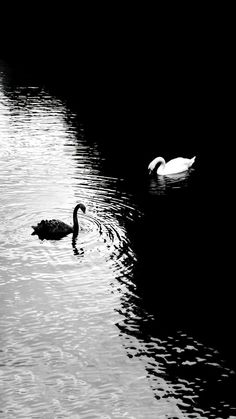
164, 184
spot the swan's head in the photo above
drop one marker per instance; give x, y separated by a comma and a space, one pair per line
80, 206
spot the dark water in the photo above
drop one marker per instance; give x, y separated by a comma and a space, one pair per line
128, 321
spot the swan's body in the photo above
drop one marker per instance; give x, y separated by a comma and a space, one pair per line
56, 229
177, 165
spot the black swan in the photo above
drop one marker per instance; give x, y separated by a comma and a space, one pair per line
56, 229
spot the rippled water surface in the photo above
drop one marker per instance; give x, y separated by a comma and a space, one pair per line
76, 340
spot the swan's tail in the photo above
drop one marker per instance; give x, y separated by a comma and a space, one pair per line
34, 228
192, 161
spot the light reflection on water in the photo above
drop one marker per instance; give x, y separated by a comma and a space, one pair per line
71, 341
60, 347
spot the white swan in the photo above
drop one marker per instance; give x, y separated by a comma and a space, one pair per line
177, 165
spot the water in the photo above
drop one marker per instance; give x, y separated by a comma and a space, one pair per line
82, 335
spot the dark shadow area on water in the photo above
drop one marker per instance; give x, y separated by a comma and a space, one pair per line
184, 268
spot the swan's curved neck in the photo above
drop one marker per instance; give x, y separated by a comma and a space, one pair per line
154, 163
75, 222
160, 160
75, 219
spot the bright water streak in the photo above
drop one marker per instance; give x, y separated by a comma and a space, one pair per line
62, 354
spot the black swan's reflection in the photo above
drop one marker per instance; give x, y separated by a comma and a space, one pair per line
56, 229
77, 252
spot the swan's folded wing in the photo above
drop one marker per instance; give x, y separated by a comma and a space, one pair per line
180, 163
58, 227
